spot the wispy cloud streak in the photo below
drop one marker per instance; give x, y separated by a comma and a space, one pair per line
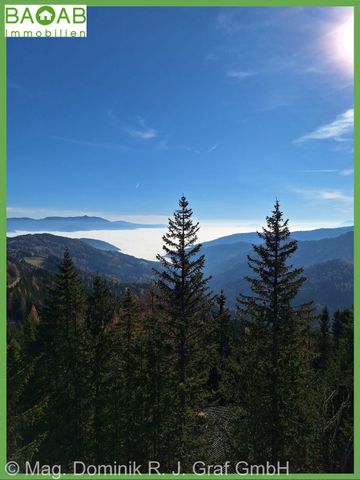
347, 172
240, 75
335, 195
339, 129
86, 143
325, 195
211, 149
142, 131
318, 171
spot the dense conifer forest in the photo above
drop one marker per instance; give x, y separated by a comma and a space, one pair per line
172, 374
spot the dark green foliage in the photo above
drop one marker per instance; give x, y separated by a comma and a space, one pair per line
223, 343
100, 315
336, 384
223, 328
276, 351
102, 373
127, 391
24, 409
324, 341
64, 368
185, 309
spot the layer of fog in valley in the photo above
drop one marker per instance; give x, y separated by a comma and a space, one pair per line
147, 242
143, 242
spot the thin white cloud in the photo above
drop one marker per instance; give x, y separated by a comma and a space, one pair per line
335, 195
142, 130
198, 152
276, 101
325, 195
318, 171
347, 172
211, 149
339, 129
86, 143
240, 75
189, 149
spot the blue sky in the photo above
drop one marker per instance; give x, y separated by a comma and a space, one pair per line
232, 107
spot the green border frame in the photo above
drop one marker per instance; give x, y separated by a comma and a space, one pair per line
182, 3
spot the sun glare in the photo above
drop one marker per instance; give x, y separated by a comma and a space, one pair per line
344, 42
346, 39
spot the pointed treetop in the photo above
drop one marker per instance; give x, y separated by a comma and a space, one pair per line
66, 261
183, 203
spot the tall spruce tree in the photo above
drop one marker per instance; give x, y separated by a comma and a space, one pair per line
157, 398
127, 390
184, 301
64, 369
100, 315
277, 353
223, 336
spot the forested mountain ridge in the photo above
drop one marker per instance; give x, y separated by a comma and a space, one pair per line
29, 279
33, 260
328, 283
226, 263
45, 250
221, 257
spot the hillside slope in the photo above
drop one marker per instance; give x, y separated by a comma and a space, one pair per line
328, 267
44, 250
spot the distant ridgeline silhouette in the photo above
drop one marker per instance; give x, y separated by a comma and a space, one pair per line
71, 224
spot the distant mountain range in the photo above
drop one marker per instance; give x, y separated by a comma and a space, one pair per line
326, 255
302, 235
71, 224
222, 257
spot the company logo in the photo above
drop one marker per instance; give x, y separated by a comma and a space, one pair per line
45, 21
45, 15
